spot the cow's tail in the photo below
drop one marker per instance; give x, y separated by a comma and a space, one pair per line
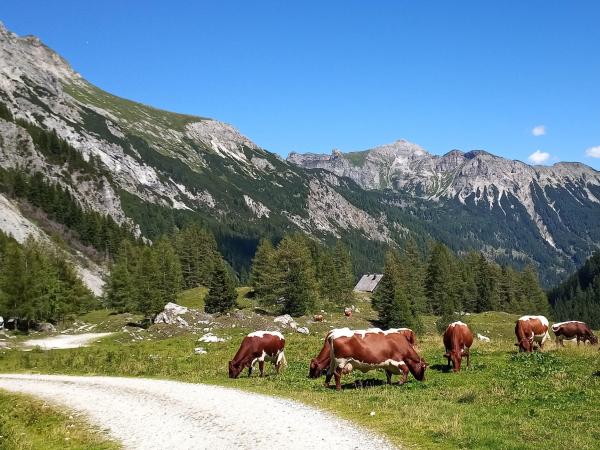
332, 366
281, 360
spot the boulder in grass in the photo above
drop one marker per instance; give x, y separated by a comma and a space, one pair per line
483, 338
209, 337
303, 330
170, 314
200, 351
45, 327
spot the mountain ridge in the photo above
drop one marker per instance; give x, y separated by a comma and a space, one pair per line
154, 170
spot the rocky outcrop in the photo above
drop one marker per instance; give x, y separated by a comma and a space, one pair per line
476, 176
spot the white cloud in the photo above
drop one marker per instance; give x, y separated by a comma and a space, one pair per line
593, 152
539, 157
539, 130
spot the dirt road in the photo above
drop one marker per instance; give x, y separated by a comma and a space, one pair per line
64, 341
159, 414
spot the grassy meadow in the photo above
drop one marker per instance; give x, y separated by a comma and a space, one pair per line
505, 400
27, 423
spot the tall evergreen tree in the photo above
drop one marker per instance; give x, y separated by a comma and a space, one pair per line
221, 295
344, 275
264, 276
120, 290
298, 287
391, 298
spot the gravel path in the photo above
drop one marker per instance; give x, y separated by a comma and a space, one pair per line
64, 341
159, 414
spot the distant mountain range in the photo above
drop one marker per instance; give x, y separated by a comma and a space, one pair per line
157, 170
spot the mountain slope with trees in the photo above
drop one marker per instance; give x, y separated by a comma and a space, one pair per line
578, 297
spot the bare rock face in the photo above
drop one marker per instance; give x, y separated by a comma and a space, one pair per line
476, 176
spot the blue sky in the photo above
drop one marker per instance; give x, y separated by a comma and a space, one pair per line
311, 76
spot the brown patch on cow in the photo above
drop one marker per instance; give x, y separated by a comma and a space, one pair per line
458, 339
318, 318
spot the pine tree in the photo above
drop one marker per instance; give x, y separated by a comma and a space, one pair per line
198, 254
391, 297
344, 275
533, 291
328, 277
221, 295
264, 276
169, 270
298, 287
414, 274
120, 289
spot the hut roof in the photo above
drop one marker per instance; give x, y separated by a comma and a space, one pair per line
368, 282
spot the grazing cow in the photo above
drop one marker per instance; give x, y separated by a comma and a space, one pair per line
370, 349
318, 318
530, 329
573, 329
348, 312
320, 364
458, 339
258, 347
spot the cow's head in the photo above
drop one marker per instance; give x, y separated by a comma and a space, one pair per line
456, 358
417, 368
235, 369
315, 369
525, 344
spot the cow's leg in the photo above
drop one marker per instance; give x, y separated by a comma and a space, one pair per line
388, 375
338, 377
328, 376
468, 355
250, 370
448, 367
404, 370
578, 338
261, 368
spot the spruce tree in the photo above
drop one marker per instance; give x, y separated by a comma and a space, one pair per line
329, 285
298, 288
264, 276
120, 289
391, 298
413, 271
344, 274
221, 295
169, 270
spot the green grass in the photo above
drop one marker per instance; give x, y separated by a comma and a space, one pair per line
28, 423
194, 298
505, 400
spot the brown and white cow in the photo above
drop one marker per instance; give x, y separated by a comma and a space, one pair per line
573, 329
530, 329
259, 346
320, 364
458, 339
370, 349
